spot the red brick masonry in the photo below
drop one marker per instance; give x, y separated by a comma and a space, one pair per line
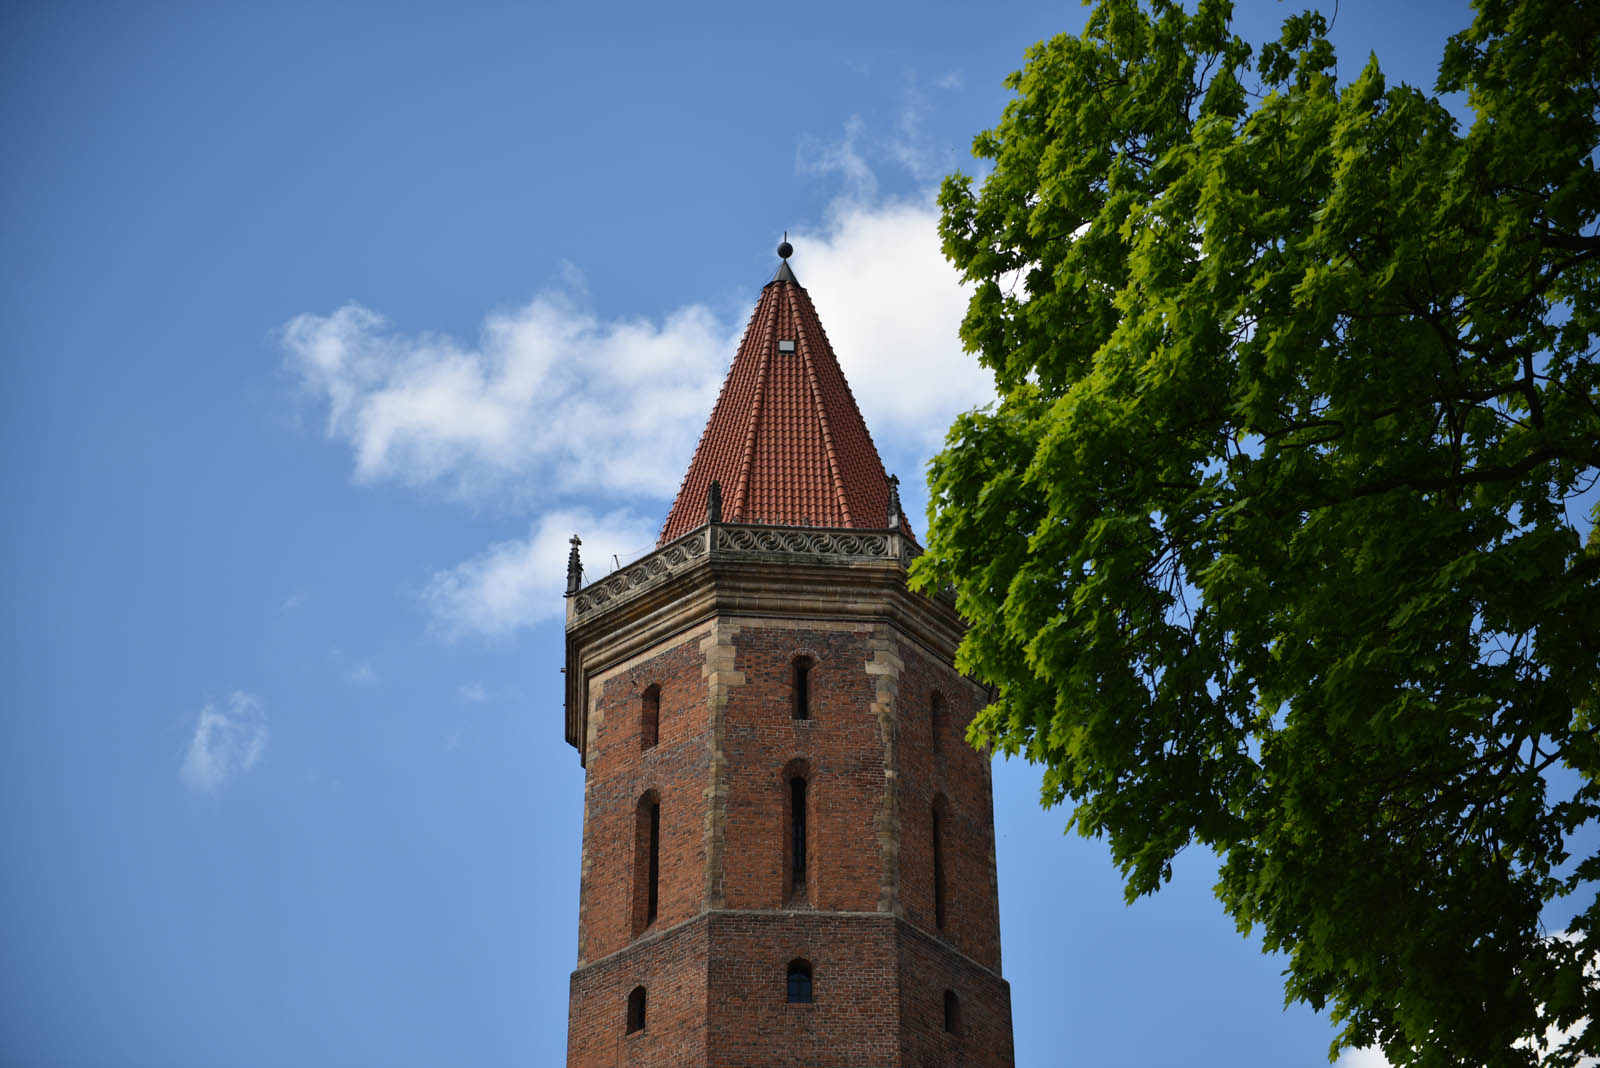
715, 960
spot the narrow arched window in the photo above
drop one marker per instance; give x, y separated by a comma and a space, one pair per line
938, 864
646, 862
938, 717
797, 833
802, 687
799, 982
655, 865
636, 1010
952, 1012
649, 716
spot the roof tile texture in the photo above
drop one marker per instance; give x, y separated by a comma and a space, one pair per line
785, 438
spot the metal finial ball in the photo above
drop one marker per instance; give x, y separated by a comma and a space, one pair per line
785, 250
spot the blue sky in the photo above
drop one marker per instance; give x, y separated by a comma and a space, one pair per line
326, 324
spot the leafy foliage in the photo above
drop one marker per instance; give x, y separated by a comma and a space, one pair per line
1270, 542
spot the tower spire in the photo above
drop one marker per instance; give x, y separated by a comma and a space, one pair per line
786, 439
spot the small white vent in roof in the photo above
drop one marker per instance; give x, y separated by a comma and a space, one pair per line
786, 345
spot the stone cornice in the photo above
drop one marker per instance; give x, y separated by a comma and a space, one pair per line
746, 570
739, 541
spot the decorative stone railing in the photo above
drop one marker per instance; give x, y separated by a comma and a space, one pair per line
803, 544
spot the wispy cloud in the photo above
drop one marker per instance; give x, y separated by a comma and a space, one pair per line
949, 80
227, 741
295, 600
362, 674
518, 583
472, 693
909, 146
551, 400
856, 157
843, 159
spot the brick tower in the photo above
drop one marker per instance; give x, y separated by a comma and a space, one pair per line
788, 847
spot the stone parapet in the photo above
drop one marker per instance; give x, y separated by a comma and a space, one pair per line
741, 541
752, 570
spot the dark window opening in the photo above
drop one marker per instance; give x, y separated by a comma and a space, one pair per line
799, 982
650, 716
797, 832
802, 687
653, 893
938, 869
952, 1012
646, 862
636, 1010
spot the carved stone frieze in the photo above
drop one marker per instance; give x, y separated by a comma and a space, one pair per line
802, 542
735, 541
659, 566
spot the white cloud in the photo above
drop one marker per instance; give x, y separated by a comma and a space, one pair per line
295, 600
892, 306
554, 402
472, 693
551, 400
362, 673
1366, 1057
518, 583
226, 742
950, 80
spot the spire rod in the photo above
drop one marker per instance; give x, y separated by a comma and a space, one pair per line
785, 250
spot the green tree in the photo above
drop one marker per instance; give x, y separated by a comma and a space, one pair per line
1270, 543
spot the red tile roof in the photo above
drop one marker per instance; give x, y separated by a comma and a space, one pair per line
785, 440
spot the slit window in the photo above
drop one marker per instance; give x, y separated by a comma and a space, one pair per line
636, 1010
646, 862
952, 1012
799, 982
653, 893
797, 832
938, 868
802, 687
650, 717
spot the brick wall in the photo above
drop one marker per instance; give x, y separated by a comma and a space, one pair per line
620, 773
840, 749
715, 959
982, 1038
852, 1020
953, 770
671, 966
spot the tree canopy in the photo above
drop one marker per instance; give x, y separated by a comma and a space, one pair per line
1279, 537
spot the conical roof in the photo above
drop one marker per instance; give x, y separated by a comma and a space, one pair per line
785, 439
